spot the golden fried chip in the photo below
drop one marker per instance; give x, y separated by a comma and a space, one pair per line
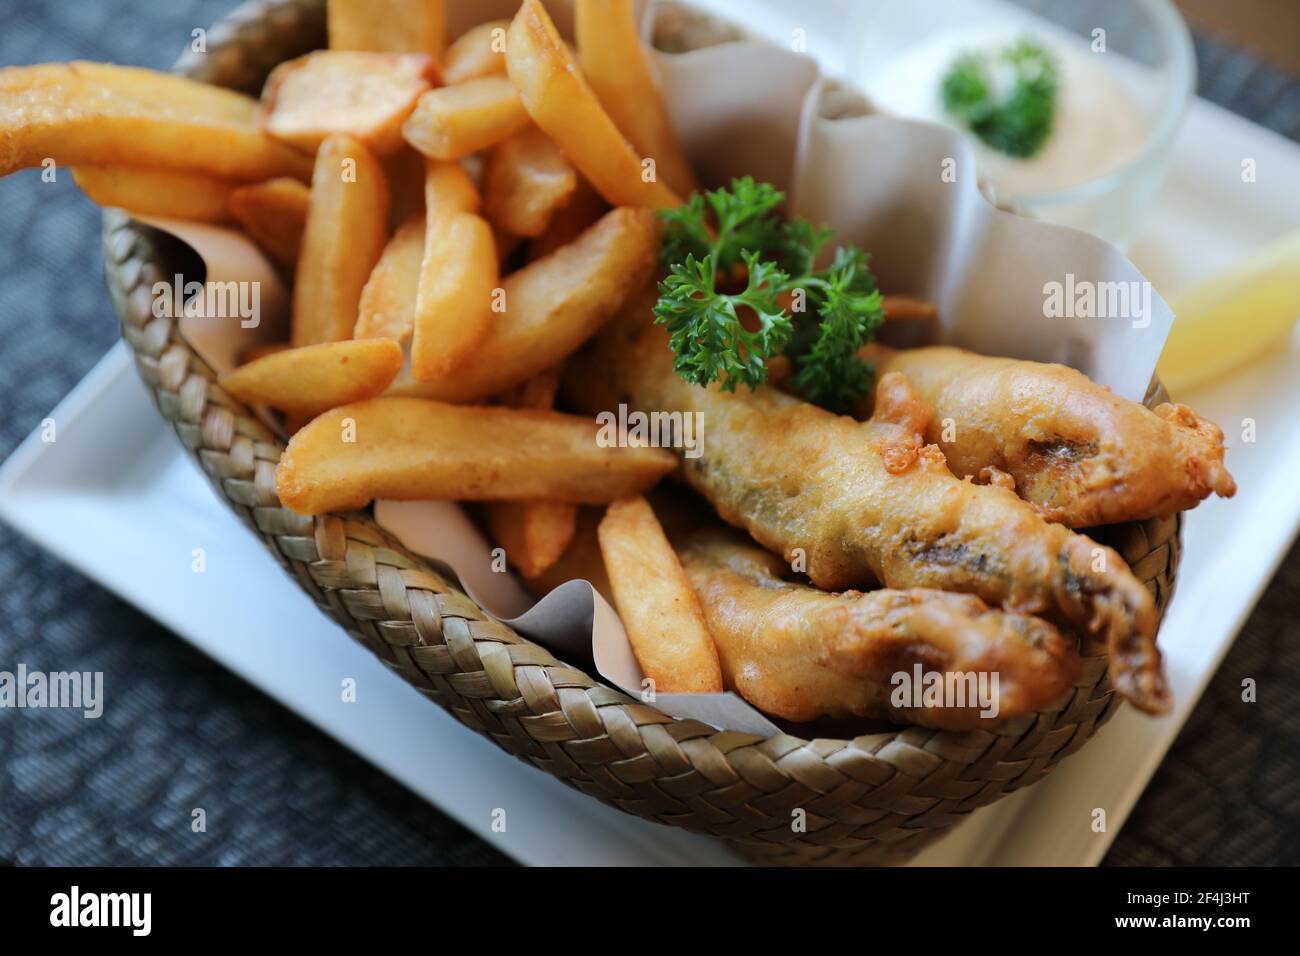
158, 192
347, 228
454, 121
551, 306
558, 98
526, 181
387, 26
307, 381
660, 610
387, 308
96, 114
364, 95
274, 214
479, 51
615, 64
408, 449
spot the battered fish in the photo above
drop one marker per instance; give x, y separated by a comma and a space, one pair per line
799, 653
1080, 454
860, 503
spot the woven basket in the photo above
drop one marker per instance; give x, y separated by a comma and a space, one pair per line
873, 799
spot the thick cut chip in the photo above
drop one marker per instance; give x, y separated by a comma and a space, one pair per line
660, 610
408, 449
551, 306
458, 280
95, 114
364, 95
557, 96
615, 64
347, 228
448, 189
387, 308
581, 560
480, 51
159, 192
526, 181
454, 121
307, 381
534, 534
570, 221
388, 26
274, 214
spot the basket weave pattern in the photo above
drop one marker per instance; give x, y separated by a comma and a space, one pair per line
873, 799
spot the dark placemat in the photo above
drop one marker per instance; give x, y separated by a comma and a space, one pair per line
183, 733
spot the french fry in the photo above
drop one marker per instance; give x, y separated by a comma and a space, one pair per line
307, 381
570, 221
158, 192
453, 303
660, 610
274, 214
453, 309
448, 189
95, 114
365, 95
479, 51
525, 182
390, 26
387, 307
347, 226
408, 449
533, 533
454, 121
615, 64
552, 306
899, 308
580, 560
561, 102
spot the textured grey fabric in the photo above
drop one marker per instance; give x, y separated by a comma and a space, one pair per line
120, 790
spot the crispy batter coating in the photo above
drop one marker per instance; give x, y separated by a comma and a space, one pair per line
800, 653
870, 502
1080, 454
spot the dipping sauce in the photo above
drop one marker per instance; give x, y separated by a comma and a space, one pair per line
1097, 125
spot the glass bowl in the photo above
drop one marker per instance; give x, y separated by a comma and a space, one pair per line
1127, 73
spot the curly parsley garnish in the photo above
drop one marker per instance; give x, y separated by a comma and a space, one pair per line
732, 263
1006, 98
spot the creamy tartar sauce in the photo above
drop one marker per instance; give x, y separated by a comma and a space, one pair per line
1097, 125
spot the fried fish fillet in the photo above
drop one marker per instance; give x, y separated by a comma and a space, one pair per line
871, 502
1080, 454
799, 653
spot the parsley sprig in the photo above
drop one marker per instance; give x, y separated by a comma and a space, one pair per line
731, 259
1007, 97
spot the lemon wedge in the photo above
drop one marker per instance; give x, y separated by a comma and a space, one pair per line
1233, 317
